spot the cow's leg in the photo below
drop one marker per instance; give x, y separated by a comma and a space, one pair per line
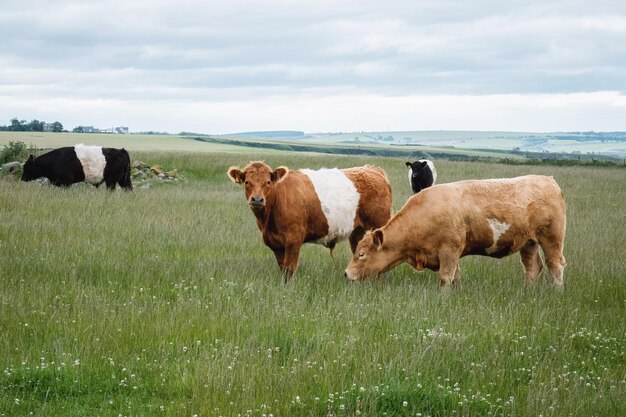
456, 281
125, 183
551, 242
111, 183
280, 257
531, 259
355, 237
290, 261
65, 182
448, 268
555, 261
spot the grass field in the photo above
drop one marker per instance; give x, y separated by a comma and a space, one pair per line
164, 301
144, 143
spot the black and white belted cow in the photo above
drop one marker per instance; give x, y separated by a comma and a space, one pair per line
422, 174
72, 164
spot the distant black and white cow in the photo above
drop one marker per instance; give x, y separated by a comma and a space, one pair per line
422, 174
72, 164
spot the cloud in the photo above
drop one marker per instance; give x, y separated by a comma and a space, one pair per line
207, 55
343, 112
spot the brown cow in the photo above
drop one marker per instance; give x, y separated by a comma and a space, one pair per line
325, 206
495, 218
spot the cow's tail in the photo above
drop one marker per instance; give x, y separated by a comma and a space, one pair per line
126, 182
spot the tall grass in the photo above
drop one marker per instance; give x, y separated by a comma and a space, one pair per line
164, 301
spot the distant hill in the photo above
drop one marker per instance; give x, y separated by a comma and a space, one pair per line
515, 156
573, 143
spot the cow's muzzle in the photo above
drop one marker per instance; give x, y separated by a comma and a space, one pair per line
349, 277
353, 276
256, 201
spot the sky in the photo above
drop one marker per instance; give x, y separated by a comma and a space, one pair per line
316, 66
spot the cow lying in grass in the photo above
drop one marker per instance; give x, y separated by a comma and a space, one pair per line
324, 207
91, 164
495, 218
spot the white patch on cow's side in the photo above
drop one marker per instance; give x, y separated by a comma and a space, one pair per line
93, 162
340, 200
432, 169
497, 229
410, 177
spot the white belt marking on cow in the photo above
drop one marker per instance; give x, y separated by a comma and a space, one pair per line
93, 161
498, 229
432, 169
339, 198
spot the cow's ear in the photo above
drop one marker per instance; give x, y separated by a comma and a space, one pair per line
31, 157
378, 238
279, 174
236, 175
424, 163
408, 164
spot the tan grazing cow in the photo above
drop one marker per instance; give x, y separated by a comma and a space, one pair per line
324, 207
496, 218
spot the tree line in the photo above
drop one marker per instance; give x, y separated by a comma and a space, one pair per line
34, 125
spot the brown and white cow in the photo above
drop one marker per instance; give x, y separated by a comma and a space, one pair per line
495, 218
324, 207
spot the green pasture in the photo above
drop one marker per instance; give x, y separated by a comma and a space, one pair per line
133, 142
164, 301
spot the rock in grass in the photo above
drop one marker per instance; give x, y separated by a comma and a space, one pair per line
11, 167
139, 165
156, 170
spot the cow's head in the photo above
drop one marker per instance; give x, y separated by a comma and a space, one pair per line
258, 180
31, 170
419, 171
371, 257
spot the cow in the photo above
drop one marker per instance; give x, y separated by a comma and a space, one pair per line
495, 218
325, 206
422, 174
92, 164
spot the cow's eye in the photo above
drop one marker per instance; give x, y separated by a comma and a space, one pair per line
246, 182
269, 182
361, 254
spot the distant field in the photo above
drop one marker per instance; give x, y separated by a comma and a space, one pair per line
452, 144
164, 301
611, 143
129, 142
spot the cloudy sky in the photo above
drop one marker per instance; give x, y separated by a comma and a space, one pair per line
318, 66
